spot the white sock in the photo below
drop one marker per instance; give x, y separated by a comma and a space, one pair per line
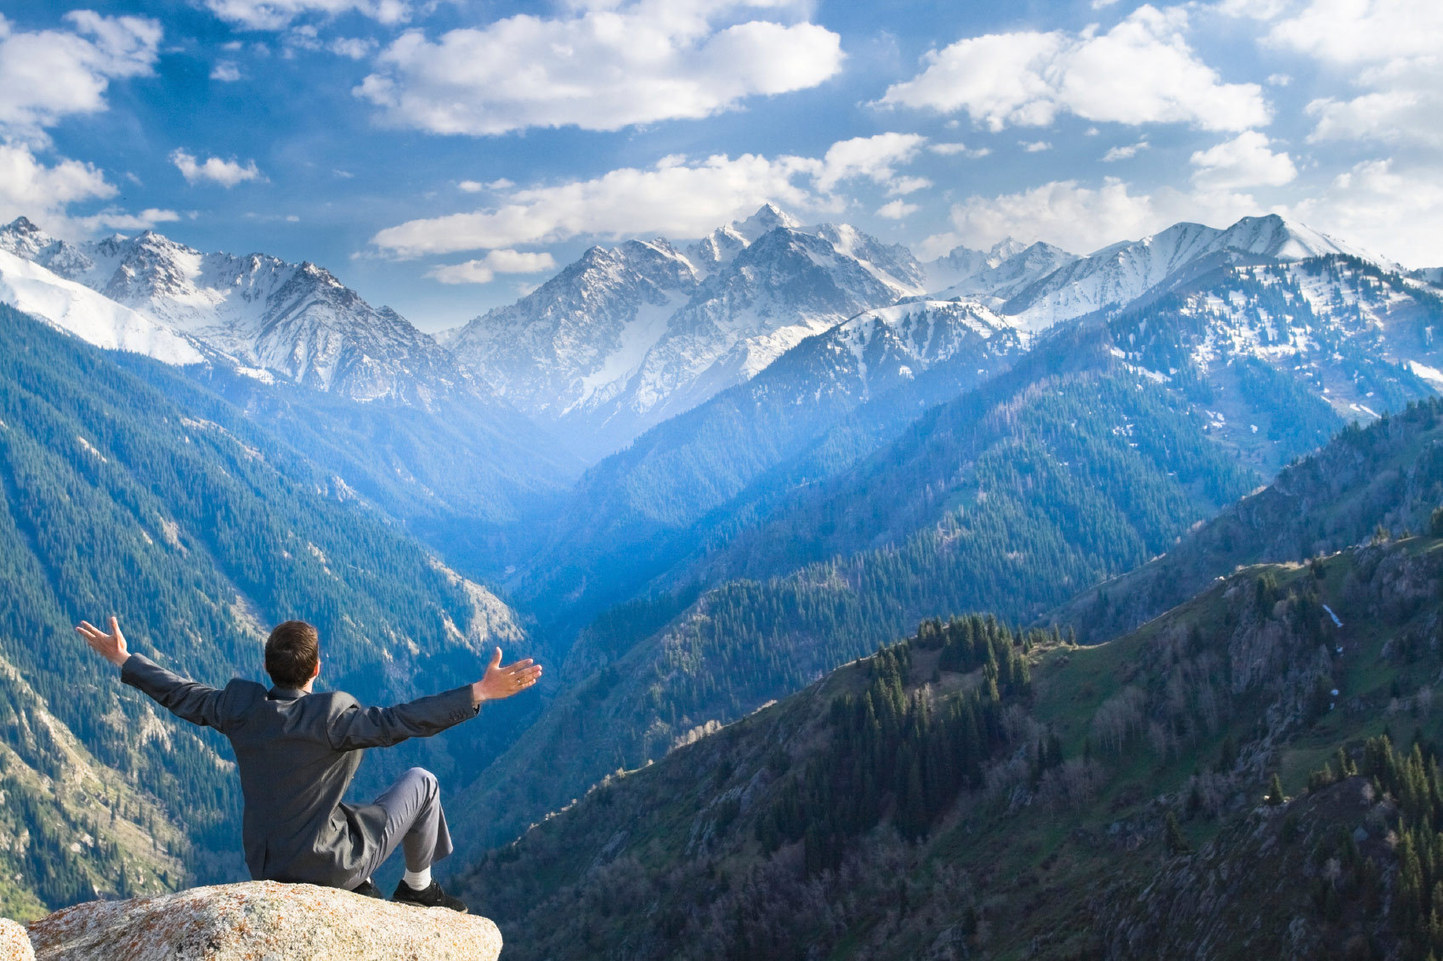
418, 880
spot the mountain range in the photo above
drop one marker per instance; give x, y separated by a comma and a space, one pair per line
700, 478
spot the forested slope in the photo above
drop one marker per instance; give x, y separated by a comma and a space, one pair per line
1377, 481
1225, 780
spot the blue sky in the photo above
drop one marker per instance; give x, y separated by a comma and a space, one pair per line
443, 157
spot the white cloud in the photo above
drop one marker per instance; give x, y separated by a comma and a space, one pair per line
676, 197
50, 74
1245, 161
470, 186
278, 14
1124, 152
225, 71
1063, 213
872, 158
958, 149
485, 269
605, 67
1384, 207
29, 188
897, 210
1034, 146
227, 173
1140, 71
1389, 50
113, 219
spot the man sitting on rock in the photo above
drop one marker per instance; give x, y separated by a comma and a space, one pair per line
298, 750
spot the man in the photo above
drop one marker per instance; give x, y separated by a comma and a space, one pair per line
298, 750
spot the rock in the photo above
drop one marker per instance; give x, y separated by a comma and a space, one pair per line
262, 921
14, 943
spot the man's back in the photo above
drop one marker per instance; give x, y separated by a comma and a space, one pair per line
297, 753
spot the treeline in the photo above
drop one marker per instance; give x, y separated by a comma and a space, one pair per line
909, 754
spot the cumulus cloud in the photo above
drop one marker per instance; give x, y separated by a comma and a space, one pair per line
47, 75
31, 188
227, 173
225, 71
278, 14
872, 158
1035, 146
484, 270
601, 67
1385, 207
1140, 71
1386, 49
679, 197
1245, 161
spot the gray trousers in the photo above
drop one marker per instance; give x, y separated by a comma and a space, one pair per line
414, 820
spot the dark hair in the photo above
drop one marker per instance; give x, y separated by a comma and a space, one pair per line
292, 652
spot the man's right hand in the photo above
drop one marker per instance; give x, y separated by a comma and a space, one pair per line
504, 680
109, 646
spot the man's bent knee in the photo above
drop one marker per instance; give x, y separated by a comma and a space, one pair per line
428, 780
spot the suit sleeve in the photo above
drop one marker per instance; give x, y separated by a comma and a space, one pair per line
352, 726
186, 699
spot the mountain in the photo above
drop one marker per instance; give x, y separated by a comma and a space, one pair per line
1119, 274
1094, 451
295, 320
629, 336
827, 402
90, 316
375, 400
156, 500
1247, 776
1373, 483
1012, 497
996, 276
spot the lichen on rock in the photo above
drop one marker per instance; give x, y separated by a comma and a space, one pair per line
14, 943
262, 921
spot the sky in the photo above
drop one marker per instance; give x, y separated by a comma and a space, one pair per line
447, 156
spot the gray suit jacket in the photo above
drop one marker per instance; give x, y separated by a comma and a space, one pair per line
297, 753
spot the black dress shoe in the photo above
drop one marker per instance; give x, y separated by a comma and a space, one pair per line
429, 897
367, 889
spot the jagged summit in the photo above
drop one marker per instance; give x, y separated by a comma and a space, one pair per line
629, 335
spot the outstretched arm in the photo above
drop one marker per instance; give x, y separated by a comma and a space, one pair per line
356, 727
186, 699
501, 681
109, 646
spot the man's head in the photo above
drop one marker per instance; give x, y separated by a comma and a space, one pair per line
293, 652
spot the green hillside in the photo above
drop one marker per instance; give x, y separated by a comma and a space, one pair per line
200, 531
950, 799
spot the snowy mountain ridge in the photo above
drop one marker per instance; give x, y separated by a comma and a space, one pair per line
631, 335
1120, 273
256, 311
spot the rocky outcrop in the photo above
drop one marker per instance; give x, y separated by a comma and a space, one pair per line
262, 921
14, 945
